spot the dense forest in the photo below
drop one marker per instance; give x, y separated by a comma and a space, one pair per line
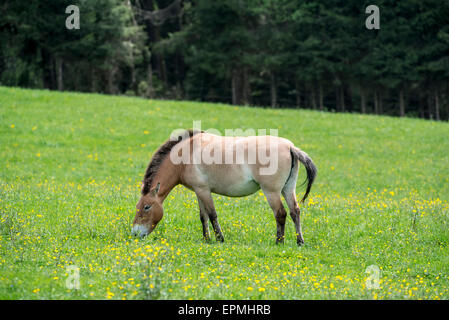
278, 53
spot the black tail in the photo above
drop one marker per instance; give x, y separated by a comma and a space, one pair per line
310, 168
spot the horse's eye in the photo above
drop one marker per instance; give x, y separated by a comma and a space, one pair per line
147, 207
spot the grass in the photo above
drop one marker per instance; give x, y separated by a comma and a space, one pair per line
71, 169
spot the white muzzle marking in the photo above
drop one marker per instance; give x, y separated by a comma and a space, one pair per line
139, 230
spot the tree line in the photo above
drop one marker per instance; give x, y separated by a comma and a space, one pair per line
278, 53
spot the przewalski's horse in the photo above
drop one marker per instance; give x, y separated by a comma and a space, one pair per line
230, 166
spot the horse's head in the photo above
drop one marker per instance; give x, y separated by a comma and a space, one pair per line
148, 213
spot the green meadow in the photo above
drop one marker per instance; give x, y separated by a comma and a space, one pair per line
375, 225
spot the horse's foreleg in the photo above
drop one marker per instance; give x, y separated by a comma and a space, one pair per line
274, 199
290, 198
205, 198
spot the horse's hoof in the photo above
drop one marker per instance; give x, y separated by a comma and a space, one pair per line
300, 242
220, 238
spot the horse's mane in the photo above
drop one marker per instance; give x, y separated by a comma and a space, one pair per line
159, 157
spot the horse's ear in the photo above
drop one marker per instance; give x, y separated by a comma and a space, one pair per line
156, 190
142, 184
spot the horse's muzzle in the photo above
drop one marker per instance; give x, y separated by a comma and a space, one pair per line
140, 230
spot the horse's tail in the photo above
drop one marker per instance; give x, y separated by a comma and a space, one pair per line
308, 164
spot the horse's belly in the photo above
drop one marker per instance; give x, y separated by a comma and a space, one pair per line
240, 189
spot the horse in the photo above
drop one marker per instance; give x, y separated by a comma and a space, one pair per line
231, 166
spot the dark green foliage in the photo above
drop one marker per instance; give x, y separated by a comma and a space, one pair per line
34, 42
279, 53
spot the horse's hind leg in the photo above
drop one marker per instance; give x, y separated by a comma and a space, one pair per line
290, 198
274, 199
206, 201
204, 217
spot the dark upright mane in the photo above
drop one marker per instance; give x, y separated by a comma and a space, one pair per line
160, 155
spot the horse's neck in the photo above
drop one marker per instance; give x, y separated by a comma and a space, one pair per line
168, 176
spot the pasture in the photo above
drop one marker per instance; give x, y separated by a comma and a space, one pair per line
71, 167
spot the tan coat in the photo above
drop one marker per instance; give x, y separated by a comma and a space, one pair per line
230, 166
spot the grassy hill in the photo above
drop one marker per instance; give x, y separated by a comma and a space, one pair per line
71, 169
